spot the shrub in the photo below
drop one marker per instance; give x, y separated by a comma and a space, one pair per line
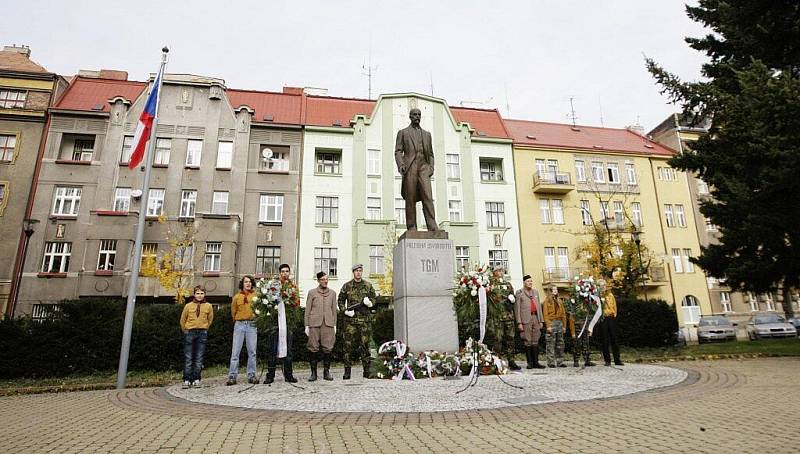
650, 323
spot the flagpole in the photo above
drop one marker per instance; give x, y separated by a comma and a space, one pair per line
136, 257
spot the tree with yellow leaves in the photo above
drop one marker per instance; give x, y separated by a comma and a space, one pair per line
174, 269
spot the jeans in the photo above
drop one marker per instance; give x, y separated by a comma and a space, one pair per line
244, 331
194, 348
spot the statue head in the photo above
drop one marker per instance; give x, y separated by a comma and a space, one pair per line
414, 115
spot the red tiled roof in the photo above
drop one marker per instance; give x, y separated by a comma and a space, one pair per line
487, 123
15, 61
284, 108
541, 134
84, 93
325, 111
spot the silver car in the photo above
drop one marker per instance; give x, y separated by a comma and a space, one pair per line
715, 328
769, 325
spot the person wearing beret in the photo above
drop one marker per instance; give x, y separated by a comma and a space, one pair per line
356, 299
320, 321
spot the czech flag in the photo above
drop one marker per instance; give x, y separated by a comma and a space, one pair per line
145, 124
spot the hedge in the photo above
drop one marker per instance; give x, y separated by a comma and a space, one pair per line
85, 337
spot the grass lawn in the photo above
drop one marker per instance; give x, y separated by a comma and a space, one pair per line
740, 349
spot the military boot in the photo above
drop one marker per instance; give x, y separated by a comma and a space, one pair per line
366, 365
346, 375
529, 357
288, 376
270, 376
326, 371
313, 363
512, 365
535, 357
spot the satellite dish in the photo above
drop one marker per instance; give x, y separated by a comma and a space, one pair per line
266, 153
136, 193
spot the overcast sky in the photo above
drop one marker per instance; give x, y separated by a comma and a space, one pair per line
526, 57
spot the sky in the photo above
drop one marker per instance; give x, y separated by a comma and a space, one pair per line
525, 58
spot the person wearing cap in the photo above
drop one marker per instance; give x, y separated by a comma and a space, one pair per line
320, 321
356, 299
503, 327
196, 318
555, 320
528, 313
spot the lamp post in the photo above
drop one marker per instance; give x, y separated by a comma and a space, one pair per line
636, 234
28, 230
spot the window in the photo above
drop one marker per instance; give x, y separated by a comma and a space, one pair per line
491, 170
328, 210
462, 257
279, 161
636, 210
710, 227
453, 166
194, 150
43, 312
163, 147
597, 172
376, 259
325, 260
770, 302
558, 211
618, 213
613, 173
213, 257
122, 200
8, 145
691, 310
155, 202
374, 162
149, 251
667, 174
454, 210
127, 143
56, 257
400, 211
563, 258
268, 259
550, 258
11, 99
544, 211
373, 208
495, 214
586, 215
224, 155
688, 266
676, 260
680, 215
188, 203
67, 201
580, 170
752, 301
219, 205
3, 196
498, 257
184, 258
725, 300
108, 252
270, 208
702, 187
605, 213
630, 172
328, 162
541, 168
82, 149
668, 215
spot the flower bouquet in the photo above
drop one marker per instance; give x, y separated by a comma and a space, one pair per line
268, 293
436, 364
396, 360
583, 294
488, 362
465, 296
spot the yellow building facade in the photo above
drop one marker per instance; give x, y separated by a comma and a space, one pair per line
570, 178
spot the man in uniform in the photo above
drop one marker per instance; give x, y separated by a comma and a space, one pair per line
504, 328
555, 320
320, 321
356, 299
528, 312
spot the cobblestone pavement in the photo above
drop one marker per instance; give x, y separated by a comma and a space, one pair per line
360, 395
722, 406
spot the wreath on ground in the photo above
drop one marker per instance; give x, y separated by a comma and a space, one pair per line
395, 361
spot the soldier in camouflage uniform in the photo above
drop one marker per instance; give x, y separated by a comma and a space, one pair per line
356, 299
504, 328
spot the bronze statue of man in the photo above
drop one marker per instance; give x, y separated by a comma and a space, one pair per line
413, 154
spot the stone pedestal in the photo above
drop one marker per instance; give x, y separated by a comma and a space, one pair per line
424, 317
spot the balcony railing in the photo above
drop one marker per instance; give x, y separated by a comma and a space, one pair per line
552, 182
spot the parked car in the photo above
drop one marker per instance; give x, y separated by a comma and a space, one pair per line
796, 322
715, 328
769, 325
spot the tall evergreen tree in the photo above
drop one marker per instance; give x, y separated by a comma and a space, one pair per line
751, 155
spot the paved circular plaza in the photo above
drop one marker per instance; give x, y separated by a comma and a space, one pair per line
434, 395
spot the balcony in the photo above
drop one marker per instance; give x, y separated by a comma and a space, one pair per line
561, 277
552, 183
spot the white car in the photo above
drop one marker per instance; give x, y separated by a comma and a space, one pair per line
769, 325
